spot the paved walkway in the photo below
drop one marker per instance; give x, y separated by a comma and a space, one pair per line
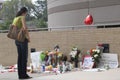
112, 74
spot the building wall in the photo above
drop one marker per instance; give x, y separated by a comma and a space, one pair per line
73, 12
84, 39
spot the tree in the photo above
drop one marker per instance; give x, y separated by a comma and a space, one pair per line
5, 25
10, 8
40, 13
40, 9
36, 11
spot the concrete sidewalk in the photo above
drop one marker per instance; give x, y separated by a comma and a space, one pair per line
112, 74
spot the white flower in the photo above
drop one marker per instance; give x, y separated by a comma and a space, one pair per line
73, 53
96, 55
97, 50
93, 50
74, 49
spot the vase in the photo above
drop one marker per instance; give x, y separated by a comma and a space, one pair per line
94, 65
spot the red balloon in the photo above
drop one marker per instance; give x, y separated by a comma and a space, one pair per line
88, 20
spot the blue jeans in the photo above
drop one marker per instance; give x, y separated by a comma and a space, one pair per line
22, 49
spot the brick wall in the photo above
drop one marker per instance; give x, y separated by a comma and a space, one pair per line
84, 39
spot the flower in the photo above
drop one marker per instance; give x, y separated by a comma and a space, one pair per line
74, 48
73, 53
96, 55
97, 50
59, 54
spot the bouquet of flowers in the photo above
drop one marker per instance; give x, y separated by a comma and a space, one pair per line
96, 55
73, 52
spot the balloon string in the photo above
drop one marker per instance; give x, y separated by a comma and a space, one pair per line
88, 7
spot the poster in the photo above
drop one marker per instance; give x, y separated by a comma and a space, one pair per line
35, 59
110, 59
87, 63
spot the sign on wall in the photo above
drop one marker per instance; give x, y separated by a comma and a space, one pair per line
110, 59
